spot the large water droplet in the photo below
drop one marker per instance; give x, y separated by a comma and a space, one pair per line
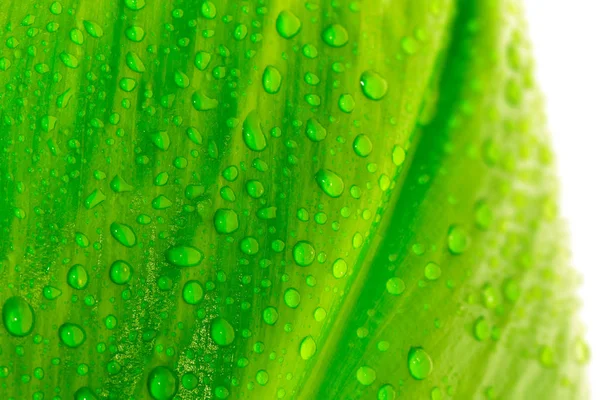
291, 298
193, 292
335, 35
420, 364
366, 375
222, 332
77, 277
304, 253
120, 272
17, 316
162, 383
271, 79
315, 131
201, 102
252, 132
330, 182
362, 145
123, 234
373, 85
308, 348
458, 239
395, 286
184, 256
226, 221
72, 335
287, 24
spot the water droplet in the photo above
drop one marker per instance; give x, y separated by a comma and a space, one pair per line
135, 5
71, 335
222, 332
184, 256
346, 103
162, 383
398, 156
270, 315
93, 29
69, 60
432, 271
366, 375
161, 140
193, 292
483, 215
135, 33
208, 10
134, 62
308, 348
249, 246
335, 35
330, 182
189, 381
84, 393
52, 293
315, 131
373, 85
255, 189
271, 79
201, 60
291, 298
252, 132
482, 329
458, 239
18, 316
287, 24
77, 277
181, 79
340, 268
201, 102
395, 286
120, 272
123, 234
420, 364
362, 145
304, 253
226, 221
386, 392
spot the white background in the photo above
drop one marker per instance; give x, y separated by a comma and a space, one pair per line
566, 42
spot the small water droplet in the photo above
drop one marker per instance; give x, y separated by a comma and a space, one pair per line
226, 221
252, 132
271, 79
162, 383
123, 234
362, 145
120, 272
395, 286
315, 131
458, 239
193, 293
77, 277
366, 375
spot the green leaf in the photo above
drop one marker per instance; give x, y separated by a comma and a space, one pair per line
279, 200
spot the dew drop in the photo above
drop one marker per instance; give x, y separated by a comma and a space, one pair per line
252, 132
315, 131
201, 102
362, 145
18, 316
366, 375
304, 253
330, 182
373, 85
432, 271
71, 335
193, 292
420, 364
222, 332
287, 24
335, 35
226, 221
308, 348
123, 234
162, 383
120, 272
340, 268
395, 286
386, 392
458, 239
291, 298
77, 277
184, 256
271, 79
270, 315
